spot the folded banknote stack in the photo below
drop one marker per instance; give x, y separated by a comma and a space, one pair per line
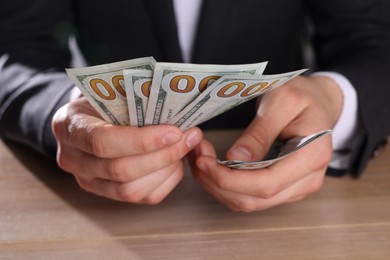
141, 91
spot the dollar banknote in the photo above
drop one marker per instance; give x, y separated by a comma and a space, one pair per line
137, 85
228, 92
142, 92
278, 152
103, 86
175, 85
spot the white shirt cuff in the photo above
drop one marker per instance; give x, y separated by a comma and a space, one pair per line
75, 93
347, 126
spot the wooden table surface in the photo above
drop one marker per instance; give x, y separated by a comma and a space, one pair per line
45, 215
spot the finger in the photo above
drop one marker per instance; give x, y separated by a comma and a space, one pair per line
228, 198
205, 148
248, 203
265, 183
92, 135
276, 111
129, 168
254, 143
111, 141
166, 187
135, 191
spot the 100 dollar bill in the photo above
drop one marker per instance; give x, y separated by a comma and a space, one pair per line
175, 85
137, 84
226, 93
103, 86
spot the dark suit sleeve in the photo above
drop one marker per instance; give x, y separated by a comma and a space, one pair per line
353, 38
33, 55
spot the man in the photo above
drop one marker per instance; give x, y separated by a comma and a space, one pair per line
142, 165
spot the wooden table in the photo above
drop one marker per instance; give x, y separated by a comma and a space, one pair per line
45, 215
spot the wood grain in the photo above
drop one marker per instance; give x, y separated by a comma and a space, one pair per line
45, 215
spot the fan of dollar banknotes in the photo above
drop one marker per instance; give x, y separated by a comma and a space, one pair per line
141, 92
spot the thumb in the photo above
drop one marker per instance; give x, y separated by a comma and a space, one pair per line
277, 110
254, 142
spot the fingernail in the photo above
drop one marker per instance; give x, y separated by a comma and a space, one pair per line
171, 138
193, 139
240, 153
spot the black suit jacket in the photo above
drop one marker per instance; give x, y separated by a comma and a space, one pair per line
349, 37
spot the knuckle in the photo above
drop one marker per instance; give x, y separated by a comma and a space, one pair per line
64, 162
59, 123
141, 143
84, 184
233, 207
292, 94
128, 194
172, 155
115, 170
149, 139
295, 97
245, 205
325, 159
315, 185
95, 143
267, 193
57, 127
144, 146
221, 183
269, 190
153, 199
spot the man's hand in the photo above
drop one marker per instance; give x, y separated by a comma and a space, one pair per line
305, 105
139, 165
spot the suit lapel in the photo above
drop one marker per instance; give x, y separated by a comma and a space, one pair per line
163, 20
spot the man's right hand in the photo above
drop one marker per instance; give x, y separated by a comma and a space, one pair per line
131, 164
